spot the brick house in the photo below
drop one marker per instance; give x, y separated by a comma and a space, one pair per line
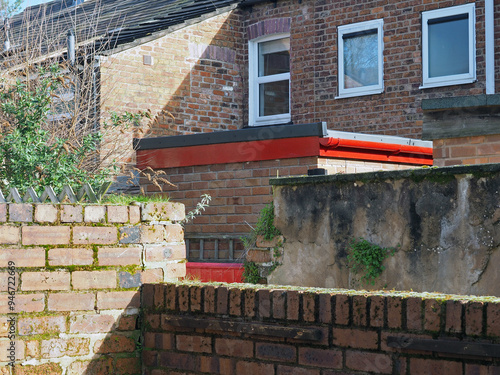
369, 69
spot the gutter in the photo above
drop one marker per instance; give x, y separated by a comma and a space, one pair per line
278, 142
334, 143
489, 26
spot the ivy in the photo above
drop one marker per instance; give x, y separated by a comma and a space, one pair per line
367, 258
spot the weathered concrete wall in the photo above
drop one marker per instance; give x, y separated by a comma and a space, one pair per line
446, 222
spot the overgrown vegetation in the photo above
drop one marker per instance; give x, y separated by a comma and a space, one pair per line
31, 155
366, 259
55, 128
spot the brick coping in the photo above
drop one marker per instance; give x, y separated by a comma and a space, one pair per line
348, 292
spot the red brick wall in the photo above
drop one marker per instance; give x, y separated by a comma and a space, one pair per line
353, 330
193, 84
239, 191
467, 150
199, 78
397, 111
74, 274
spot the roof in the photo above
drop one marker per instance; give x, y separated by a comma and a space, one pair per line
108, 23
278, 142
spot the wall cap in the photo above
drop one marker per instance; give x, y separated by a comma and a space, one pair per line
418, 173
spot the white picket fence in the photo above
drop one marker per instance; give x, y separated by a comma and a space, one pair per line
84, 194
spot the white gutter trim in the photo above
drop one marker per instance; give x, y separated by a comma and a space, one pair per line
378, 138
490, 45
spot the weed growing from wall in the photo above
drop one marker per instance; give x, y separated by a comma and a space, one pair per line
200, 207
265, 228
251, 273
366, 258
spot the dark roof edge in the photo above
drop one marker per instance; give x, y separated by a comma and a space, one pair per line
159, 34
261, 133
249, 3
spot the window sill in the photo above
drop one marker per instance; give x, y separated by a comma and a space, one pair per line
360, 93
447, 83
278, 121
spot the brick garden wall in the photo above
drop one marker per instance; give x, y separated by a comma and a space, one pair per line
74, 274
223, 329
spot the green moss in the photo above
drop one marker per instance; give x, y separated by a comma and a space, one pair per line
132, 269
126, 199
438, 177
95, 255
440, 297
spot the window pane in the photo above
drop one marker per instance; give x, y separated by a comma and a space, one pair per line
360, 59
274, 98
449, 46
274, 57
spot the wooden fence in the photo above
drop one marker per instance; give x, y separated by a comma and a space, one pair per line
67, 194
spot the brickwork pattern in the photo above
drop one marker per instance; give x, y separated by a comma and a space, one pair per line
467, 150
239, 191
192, 85
75, 283
354, 330
200, 72
314, 81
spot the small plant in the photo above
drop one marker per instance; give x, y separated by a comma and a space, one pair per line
367, 258
153, 176
251, 272
264, 227
200, 207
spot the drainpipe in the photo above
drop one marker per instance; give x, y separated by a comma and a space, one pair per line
95, 91
490, 45
71, 46
6, 43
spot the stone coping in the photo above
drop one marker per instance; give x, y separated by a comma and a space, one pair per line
417, 173
457, 102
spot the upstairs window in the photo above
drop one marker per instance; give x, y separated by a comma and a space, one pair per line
361, 59
269, 73
448, 46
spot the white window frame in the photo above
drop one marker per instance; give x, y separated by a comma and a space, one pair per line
456, 79
254, 81
355, 28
